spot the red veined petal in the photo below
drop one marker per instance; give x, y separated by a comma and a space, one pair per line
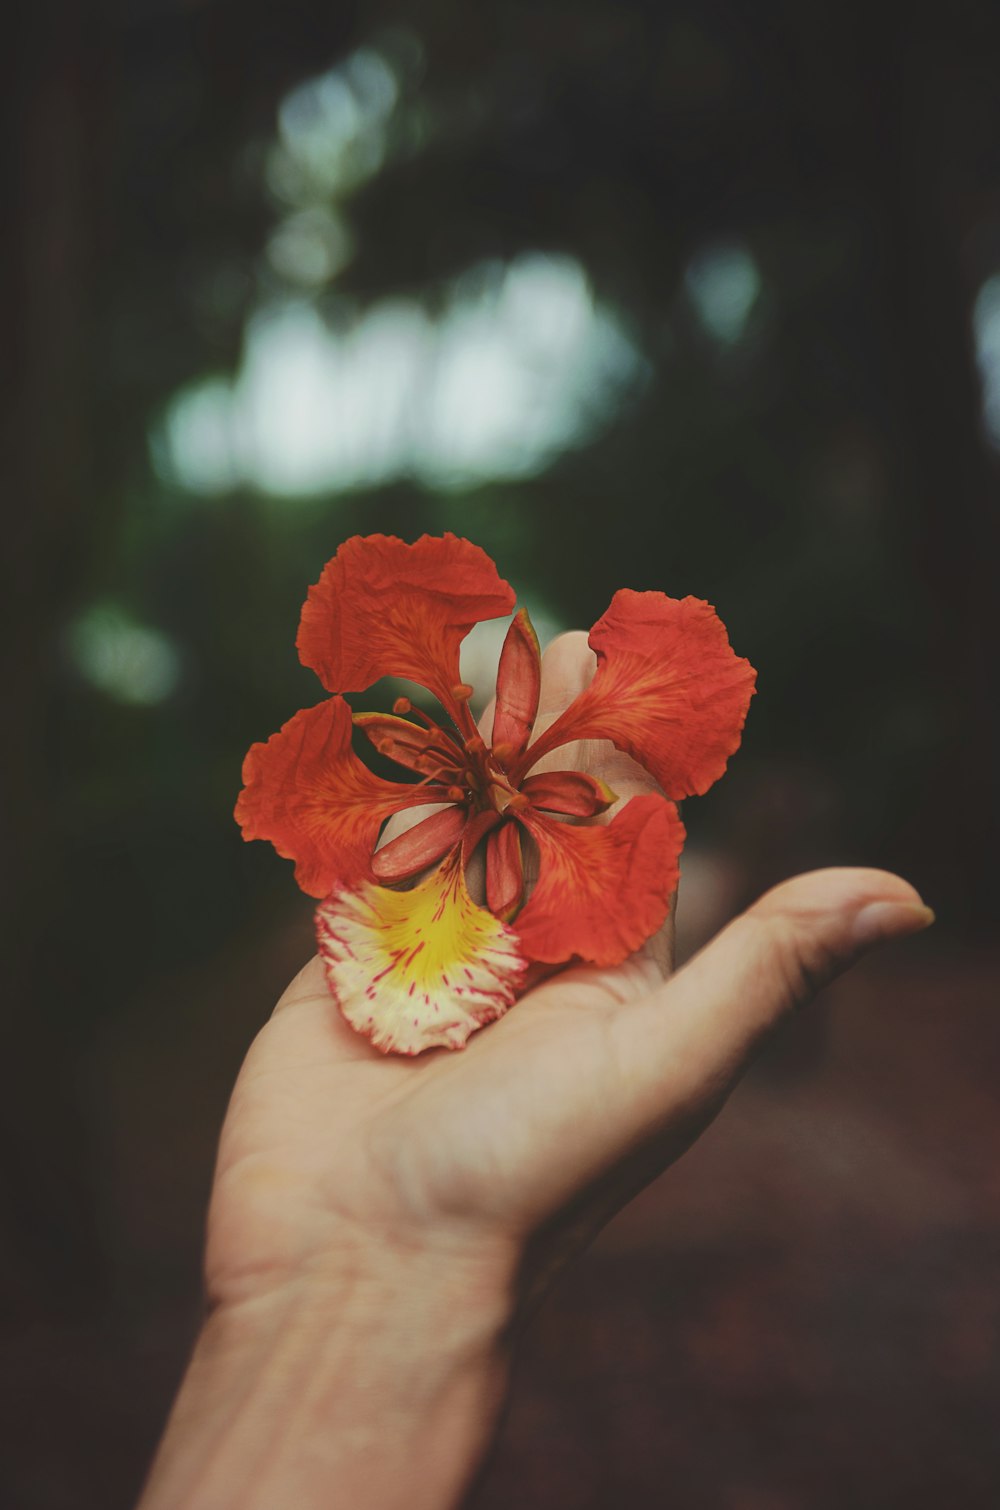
429, 751
504, 870
668, 690
307, 792
385, 608
519, 679
421, 846
571, 792
602, 890
420, 969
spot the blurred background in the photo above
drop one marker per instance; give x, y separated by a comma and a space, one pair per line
678, 295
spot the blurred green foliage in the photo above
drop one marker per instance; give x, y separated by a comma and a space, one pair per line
762, 220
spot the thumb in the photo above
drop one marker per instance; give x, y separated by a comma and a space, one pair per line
688, 1042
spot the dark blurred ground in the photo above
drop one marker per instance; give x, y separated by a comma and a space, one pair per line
683, 296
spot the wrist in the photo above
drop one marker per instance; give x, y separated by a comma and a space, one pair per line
377, 1386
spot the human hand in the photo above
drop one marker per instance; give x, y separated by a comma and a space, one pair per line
377, 1224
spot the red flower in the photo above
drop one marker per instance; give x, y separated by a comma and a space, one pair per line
424, 966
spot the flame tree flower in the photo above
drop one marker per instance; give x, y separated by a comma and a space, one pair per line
412, 960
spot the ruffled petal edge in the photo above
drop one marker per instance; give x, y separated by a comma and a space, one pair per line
307, 792
420, 969
668, 690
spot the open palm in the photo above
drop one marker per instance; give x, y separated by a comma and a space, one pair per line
550, 1119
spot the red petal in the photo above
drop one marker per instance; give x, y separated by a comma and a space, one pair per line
414, 970
479, 825
430, 752
421, 846
519, 678
504, 871
668, 690
308, 793
604, 890
385, 608
572, 792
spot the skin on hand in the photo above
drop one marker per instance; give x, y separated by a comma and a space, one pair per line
403, 1212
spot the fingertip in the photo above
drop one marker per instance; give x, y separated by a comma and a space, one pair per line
842, 911
571, 643
847, 890
795, 939
880, 921
567, 668
696, 1033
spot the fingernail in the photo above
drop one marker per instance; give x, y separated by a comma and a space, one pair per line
886, 920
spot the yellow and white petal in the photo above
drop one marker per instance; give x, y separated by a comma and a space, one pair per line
419, 969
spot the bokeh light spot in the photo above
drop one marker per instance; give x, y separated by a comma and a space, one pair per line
723, 283
130, 662
521, 364
986, 330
